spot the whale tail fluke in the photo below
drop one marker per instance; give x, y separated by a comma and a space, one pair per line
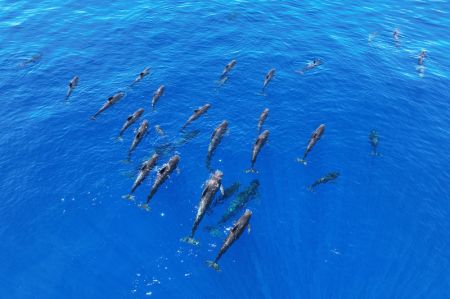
208, 164
252, 168
213, 231
128, 197
262, 92
213, 265
190, 240
222, 81
145, 207
303, 161
375, 153
125, 161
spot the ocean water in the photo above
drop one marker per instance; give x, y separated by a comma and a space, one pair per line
381, 230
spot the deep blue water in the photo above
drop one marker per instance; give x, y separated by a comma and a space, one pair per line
382, 230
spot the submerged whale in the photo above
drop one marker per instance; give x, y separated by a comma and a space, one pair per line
323, 180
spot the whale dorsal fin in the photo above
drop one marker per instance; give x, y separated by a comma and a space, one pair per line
213, 134
162, 169
205, 189
258, 140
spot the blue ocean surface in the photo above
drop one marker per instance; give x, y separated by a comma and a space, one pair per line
380, 230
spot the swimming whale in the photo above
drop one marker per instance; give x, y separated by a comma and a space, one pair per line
35, 58
211, 187
72, 84
372, 36
373, 140
141, 75
329, 177
421, 57
228, 68
312, 141
161, 177
234, 234
268, 78
131, 119
159, 130
158, 93
141, 132
222, 81
315, 63
109, 102
262, 118
197, 113
146, 167
216, 137
260, 141
396, 34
